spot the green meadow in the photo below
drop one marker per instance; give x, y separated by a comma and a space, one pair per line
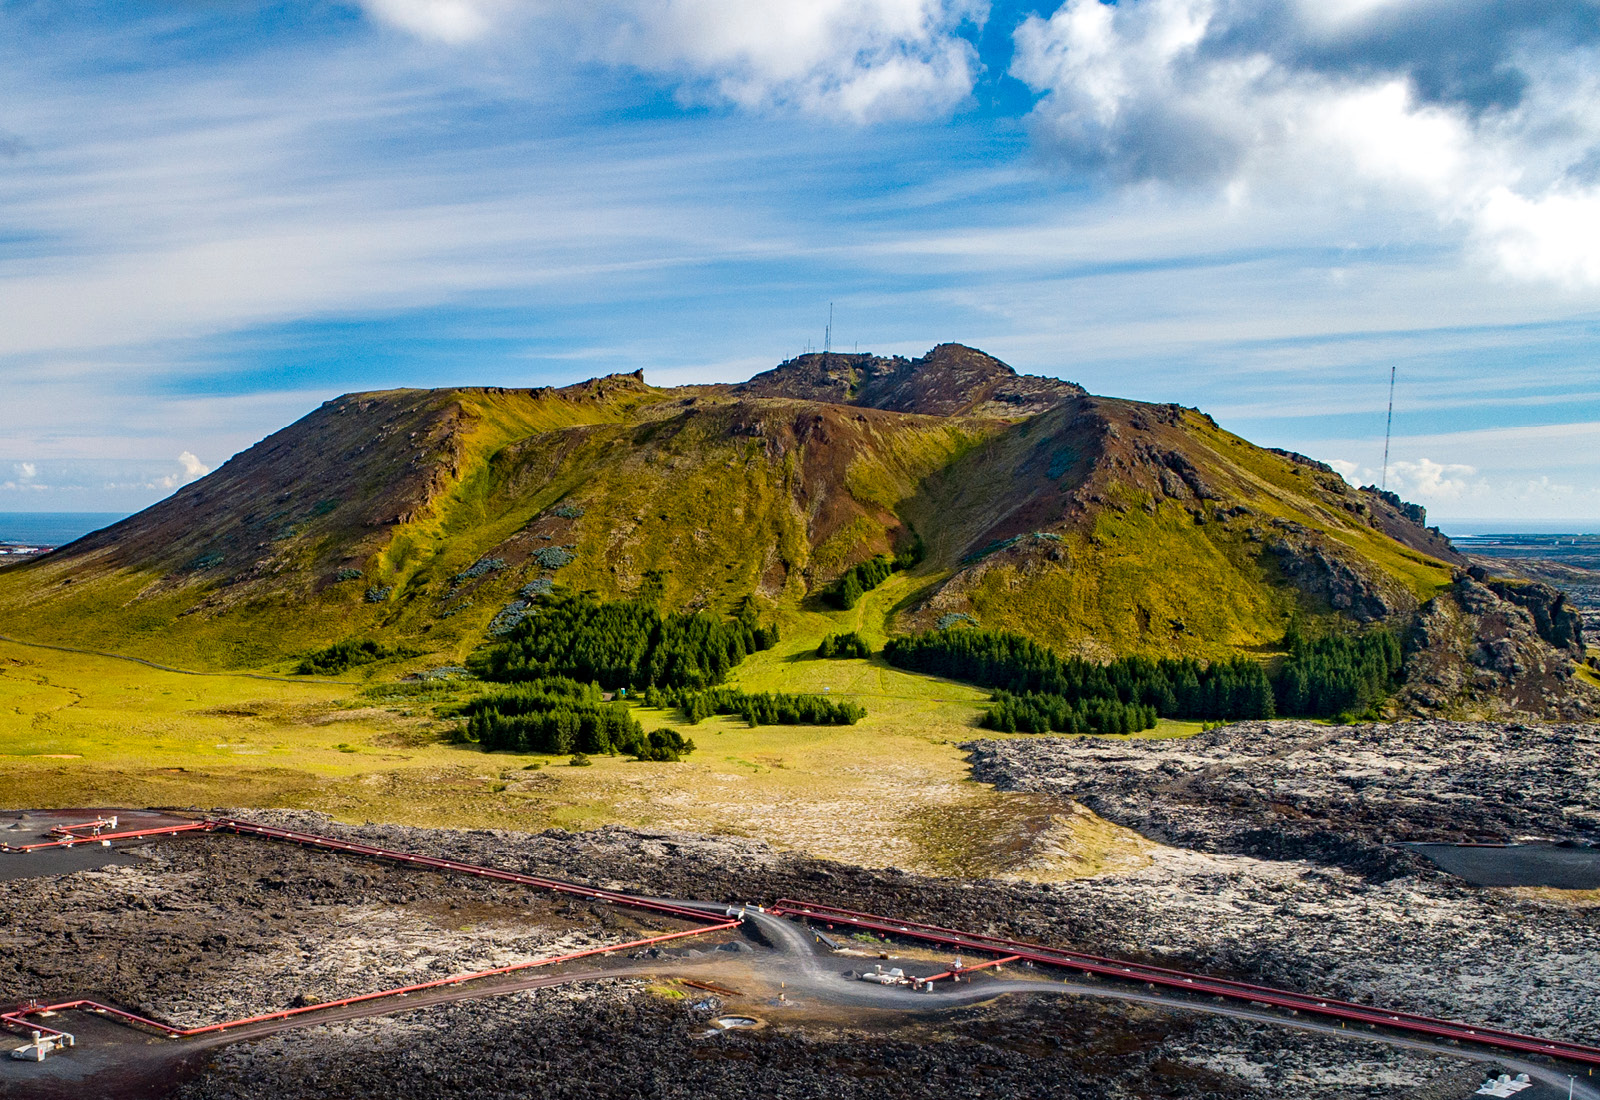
87, 730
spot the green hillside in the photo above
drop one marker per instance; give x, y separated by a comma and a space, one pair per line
1098, 526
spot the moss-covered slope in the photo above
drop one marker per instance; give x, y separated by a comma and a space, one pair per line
1095, 525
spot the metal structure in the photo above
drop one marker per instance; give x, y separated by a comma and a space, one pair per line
718, 919
19, 1019
1388, 429
23, 1017
1197, 984
69, 835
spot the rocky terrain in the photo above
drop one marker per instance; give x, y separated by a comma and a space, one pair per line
211, 926
1276, 867
1286, 872
616, 1039
196, 932
1337, 794
1497, 647
1408, 936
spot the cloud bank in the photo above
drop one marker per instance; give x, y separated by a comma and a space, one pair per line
96, 484
862, 59
1476, 111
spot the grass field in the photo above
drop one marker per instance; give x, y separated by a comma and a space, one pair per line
81, 730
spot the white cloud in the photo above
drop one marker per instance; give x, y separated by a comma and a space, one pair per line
1476, 115
192, 468
451, 21
861, 59
1423, 480
27, 470
1541, 471
1433, 481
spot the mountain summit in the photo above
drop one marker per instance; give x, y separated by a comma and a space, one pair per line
951, 380
1100, 527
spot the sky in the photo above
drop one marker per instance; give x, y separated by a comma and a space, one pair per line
217, 214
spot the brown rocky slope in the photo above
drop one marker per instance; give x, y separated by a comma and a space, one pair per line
1096, 525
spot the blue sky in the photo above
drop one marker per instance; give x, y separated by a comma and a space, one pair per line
214, 217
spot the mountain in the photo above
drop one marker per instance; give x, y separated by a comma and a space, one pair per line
1099, 526
951, 380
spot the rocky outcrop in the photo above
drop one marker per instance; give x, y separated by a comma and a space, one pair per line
1307, 560
951, 380
1495, 648
1416, 513
1555, 620
1407, 524
1577, 578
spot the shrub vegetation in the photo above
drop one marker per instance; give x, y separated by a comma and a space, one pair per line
1039, 691
863, 577
627, 643
844, 645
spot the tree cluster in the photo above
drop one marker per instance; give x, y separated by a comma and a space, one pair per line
1171, 688
759, 708
340, 656
1033, 713
1339, 674
844, 645
1038, 690
561, 716
627, 643
864, 576
664, 745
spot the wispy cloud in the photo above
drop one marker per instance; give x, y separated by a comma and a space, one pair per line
210, 226
1494, 473
866, 60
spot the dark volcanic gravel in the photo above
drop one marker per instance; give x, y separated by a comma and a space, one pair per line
208, 927
615, 1040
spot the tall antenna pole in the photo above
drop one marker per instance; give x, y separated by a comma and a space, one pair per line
1388, 428
827, 334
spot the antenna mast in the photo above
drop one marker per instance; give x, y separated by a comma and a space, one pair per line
1388, 429
827, 335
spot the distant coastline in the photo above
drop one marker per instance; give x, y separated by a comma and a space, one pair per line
45, 530
1476, 528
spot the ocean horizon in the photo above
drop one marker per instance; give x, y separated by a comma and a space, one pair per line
1477, 528
53, 528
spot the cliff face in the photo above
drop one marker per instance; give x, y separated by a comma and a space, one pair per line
1492, 647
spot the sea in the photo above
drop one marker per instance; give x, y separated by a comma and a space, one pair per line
52, 528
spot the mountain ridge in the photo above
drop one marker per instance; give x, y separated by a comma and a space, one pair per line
1097, 525
951, 380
